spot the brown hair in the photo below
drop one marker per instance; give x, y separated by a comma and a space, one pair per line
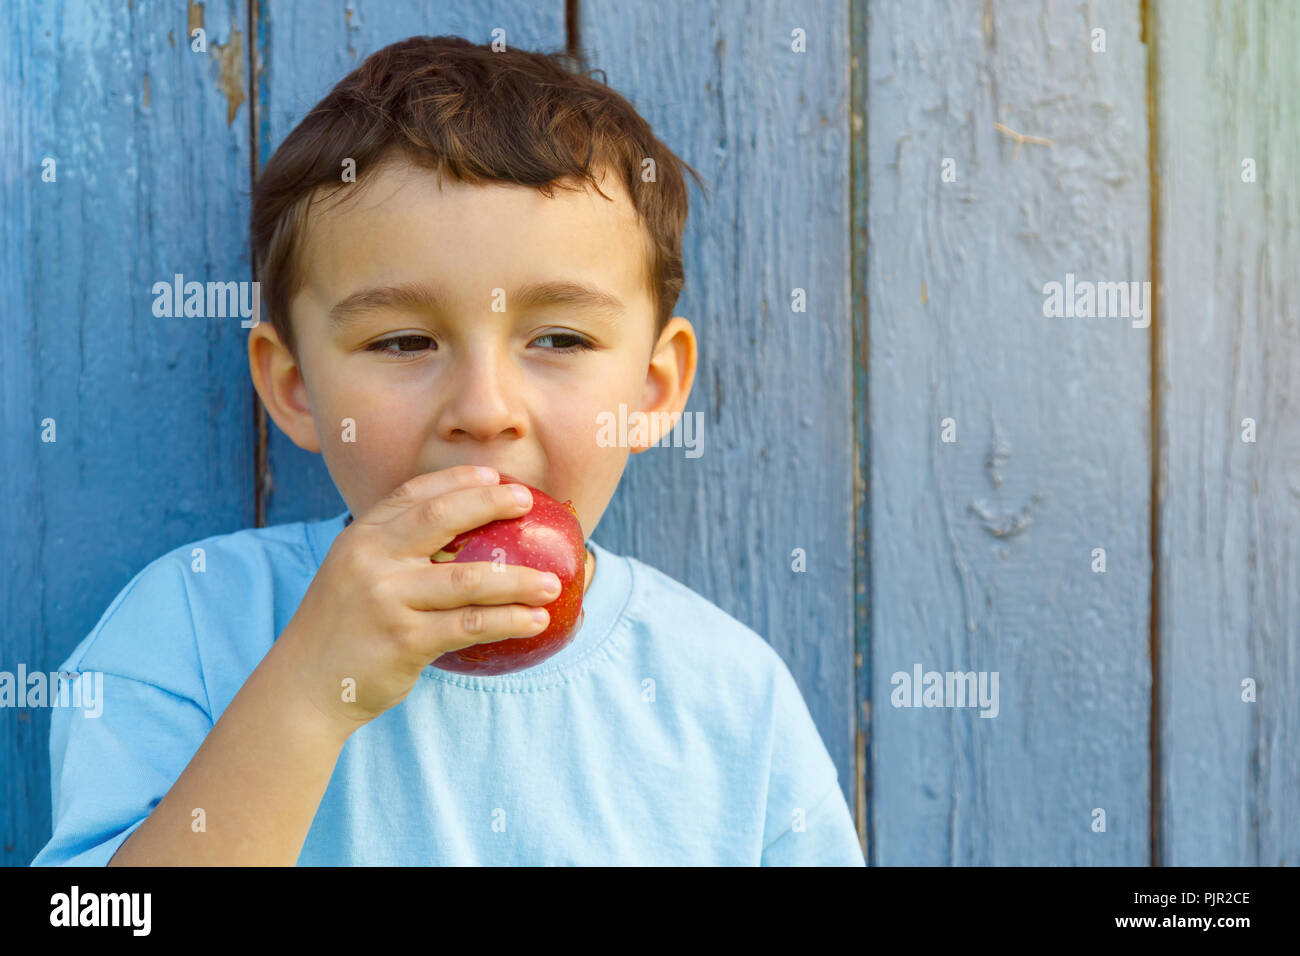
448, 104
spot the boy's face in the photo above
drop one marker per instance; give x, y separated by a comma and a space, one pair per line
477, 377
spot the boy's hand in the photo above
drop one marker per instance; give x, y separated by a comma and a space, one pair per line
379, 610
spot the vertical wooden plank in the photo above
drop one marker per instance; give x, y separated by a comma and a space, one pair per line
767, 128
981, 548
859, 199
1230, 509
304, 50
152, 416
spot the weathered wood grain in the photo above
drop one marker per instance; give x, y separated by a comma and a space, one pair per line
153, 416
1228, 91
981, 548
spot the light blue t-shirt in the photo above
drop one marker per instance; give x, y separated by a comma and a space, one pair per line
666, 733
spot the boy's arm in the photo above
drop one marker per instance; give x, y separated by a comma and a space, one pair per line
258, 778
128, 771
377, 610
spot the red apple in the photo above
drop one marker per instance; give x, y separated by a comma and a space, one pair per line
548, 538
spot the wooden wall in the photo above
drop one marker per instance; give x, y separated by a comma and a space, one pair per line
1228, 91
823, 429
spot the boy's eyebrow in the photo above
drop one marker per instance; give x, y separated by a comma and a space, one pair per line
417, 295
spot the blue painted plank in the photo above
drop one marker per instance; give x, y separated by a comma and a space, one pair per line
1229, 509
725, 87
304, 50
981, 548
152, 416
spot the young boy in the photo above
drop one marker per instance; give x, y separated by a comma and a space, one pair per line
463, 300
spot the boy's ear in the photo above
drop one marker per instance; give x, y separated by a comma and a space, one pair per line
279, 383
669, 379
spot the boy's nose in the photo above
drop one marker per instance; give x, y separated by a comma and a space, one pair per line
482, 399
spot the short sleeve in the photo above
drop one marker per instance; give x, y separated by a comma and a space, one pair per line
111, 763
808, 822
827, 837
107, 773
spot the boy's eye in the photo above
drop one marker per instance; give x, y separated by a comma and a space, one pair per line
414, 344
397, 344
578, 342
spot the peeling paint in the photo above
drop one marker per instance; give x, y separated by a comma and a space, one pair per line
352, 29
146, 89
195, 17
230, 57
1021, 139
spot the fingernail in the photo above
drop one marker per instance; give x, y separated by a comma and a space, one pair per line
486, 474
522, 494
539, 616
552, 584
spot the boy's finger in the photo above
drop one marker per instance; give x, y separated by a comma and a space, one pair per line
443, 587
426, 526
431, 484
467, 626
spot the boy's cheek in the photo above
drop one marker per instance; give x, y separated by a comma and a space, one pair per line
368, 450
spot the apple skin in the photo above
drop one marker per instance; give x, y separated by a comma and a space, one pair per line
549, 538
